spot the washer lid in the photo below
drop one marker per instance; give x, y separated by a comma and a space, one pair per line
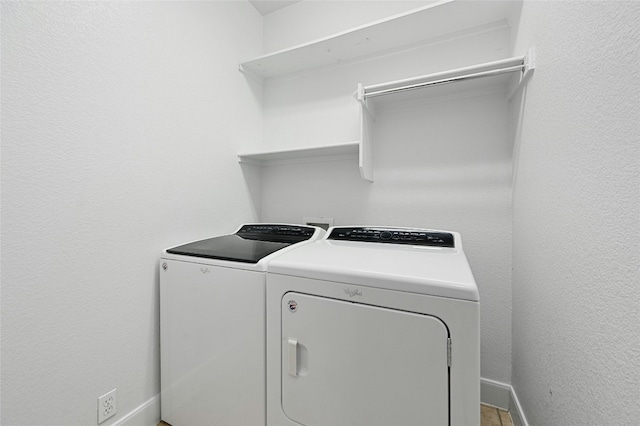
248, 245
436, 271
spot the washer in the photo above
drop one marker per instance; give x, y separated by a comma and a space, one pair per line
373, 326
212, 324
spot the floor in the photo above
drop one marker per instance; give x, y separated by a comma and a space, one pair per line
490, 416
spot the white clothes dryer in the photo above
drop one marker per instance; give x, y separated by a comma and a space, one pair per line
373, 326
212, 324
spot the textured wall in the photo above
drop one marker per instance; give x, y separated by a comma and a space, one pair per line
576, 219
120, 125
441, 163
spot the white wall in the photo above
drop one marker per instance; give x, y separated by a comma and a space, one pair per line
120, 126
443, 164
576, 217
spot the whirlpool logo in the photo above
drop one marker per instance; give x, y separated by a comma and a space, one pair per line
352, 292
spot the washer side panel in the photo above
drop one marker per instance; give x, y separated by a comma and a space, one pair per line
209, 315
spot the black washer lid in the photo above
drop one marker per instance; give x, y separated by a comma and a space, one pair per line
248, 245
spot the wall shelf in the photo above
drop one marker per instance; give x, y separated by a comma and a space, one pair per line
315, 153
424, 23
439, 19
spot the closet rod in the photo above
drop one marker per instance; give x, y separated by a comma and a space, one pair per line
471, 76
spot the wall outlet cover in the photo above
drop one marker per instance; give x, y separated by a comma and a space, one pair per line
107, 406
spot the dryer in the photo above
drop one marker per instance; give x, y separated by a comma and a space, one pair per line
212, 324
373, 326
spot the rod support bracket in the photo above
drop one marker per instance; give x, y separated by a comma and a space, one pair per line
360, 93
529, 63
530, 60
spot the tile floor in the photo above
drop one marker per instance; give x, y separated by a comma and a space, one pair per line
490, 416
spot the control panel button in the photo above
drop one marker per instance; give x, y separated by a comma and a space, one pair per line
385, 235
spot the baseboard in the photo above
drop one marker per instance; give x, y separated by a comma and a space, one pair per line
147, 414
502, 395
517, 415
492, 393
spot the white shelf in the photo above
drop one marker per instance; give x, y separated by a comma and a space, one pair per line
316, 153
428, 22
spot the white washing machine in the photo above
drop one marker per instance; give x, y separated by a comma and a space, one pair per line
373, 326
212, 324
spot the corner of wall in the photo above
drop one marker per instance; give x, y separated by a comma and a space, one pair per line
503, 396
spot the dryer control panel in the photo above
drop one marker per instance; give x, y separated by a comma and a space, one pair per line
415, 237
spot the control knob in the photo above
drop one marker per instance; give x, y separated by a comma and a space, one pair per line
385, 235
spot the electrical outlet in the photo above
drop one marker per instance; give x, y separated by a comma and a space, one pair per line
106, 406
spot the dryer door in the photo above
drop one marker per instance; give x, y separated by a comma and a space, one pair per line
346, 363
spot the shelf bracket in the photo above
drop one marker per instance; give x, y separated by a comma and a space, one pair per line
247, 72
527, 72
359, 95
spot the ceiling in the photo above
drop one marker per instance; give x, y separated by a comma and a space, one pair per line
267, 6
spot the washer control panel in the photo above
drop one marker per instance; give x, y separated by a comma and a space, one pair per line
257, 230
277, 230
414, 237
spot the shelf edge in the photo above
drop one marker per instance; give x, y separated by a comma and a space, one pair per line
314, 153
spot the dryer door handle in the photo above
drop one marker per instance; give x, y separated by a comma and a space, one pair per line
293, 356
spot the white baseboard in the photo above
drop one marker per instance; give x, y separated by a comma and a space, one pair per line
494, 393
147, 414
502, 395
517, 415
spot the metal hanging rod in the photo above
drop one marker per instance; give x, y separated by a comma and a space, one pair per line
483, 70
444, 81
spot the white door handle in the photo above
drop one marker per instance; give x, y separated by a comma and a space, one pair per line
293, 357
